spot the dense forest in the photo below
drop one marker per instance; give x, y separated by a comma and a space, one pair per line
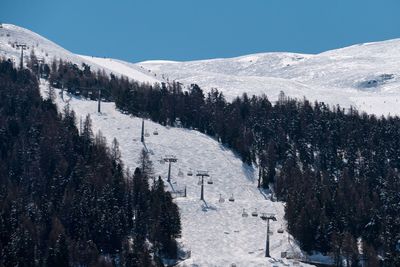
336, 169
65, 197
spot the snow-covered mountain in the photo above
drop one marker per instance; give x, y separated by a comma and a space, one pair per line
366, 76
46, 49
215, 232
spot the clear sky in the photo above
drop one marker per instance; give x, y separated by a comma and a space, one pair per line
136, 30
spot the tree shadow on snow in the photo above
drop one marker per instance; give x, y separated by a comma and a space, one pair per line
172, 186
248, 170
265, 193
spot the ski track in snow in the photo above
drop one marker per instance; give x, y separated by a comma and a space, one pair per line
214, 232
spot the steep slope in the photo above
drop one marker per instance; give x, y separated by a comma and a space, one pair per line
11, 34
215, 232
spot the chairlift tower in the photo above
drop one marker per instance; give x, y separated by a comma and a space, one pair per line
99, 101
268, 217
202, 174
99, 89
170, 159
23, 47
142, 136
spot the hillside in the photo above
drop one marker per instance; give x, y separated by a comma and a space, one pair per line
215, 232
365, 76
48, 50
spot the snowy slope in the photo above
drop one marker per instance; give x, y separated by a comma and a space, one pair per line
123, 68
214, 232
10, 34
365, 75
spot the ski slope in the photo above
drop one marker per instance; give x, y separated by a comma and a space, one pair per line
214, 232
365, 76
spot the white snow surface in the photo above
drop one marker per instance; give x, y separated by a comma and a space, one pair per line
366, 76
43, 48
214, 232
123, 68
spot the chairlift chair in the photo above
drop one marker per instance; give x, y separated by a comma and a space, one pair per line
254, 213
244, 213
155, 132
221, 199
210, 181
231, 199
199, 182
180, 173
146, 134
263, 216
280, 231
190, 173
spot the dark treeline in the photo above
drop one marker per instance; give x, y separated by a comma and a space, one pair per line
65, 197
336, 170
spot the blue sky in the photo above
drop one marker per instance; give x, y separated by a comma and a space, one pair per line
197, 29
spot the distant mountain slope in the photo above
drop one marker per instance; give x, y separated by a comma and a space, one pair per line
365, 76
11, 34
121, 67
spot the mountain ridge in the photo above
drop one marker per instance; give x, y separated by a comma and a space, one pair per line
365, 76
